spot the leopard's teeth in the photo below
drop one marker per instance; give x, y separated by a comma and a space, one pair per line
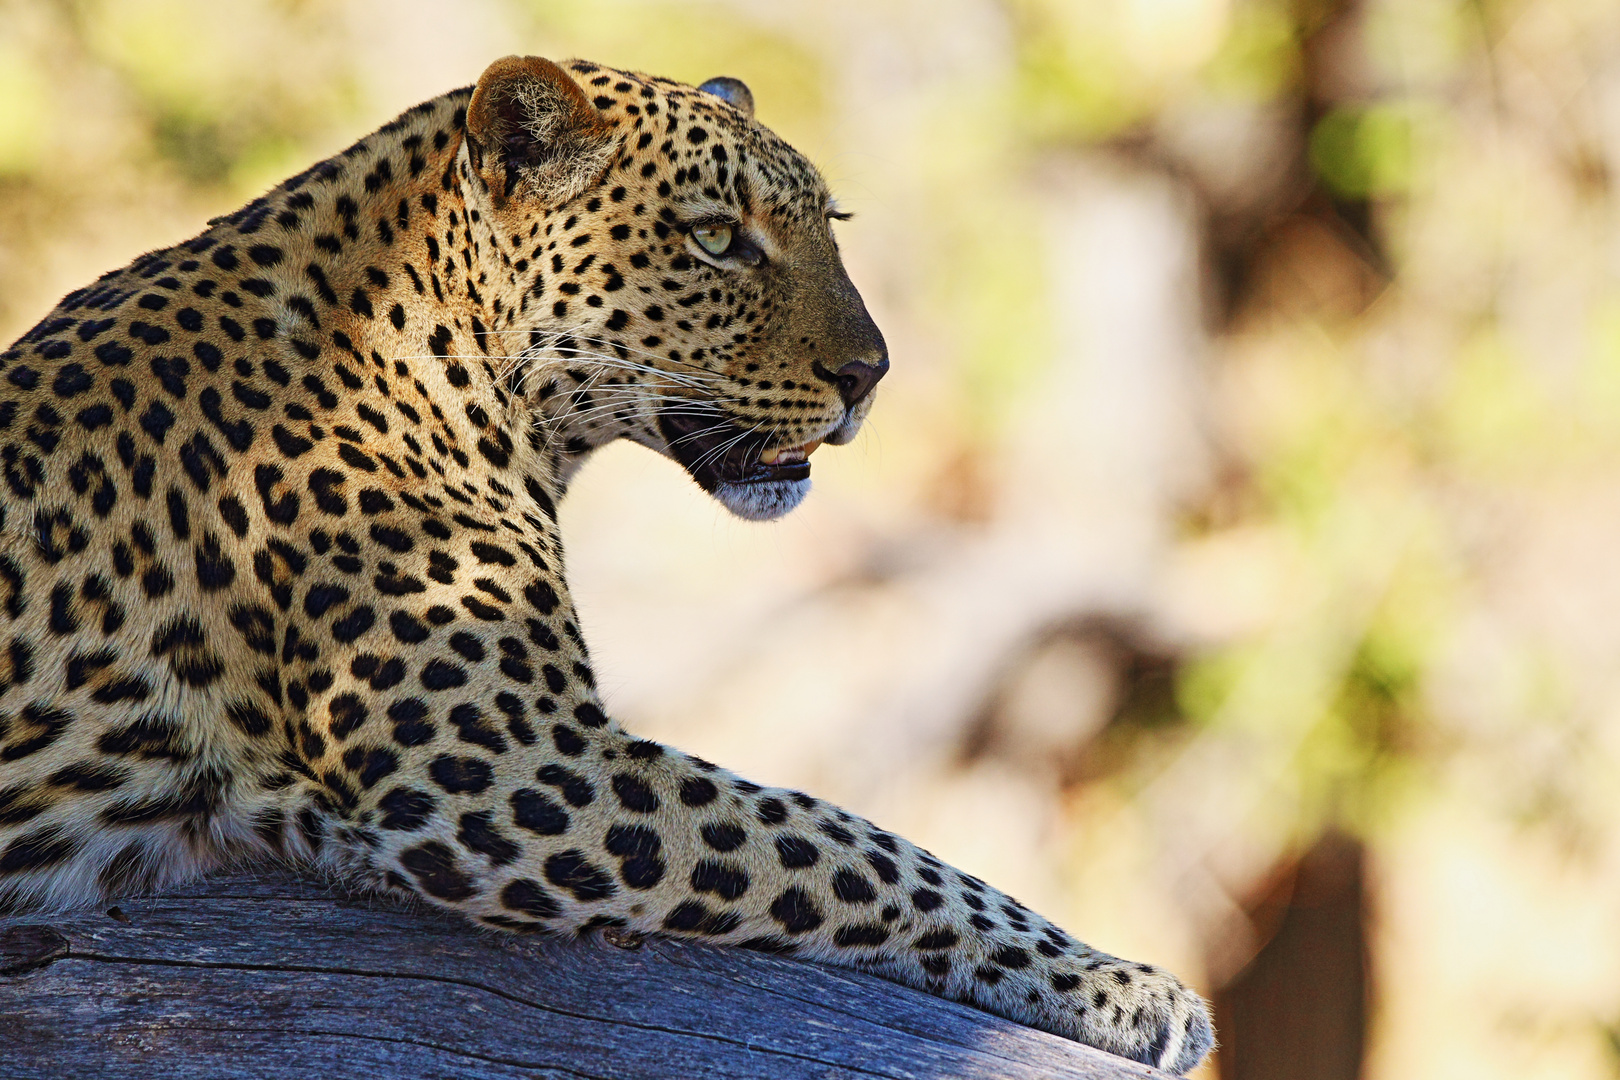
789, 455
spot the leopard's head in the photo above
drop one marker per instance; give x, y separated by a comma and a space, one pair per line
664, 270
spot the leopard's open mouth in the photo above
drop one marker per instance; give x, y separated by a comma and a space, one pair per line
716, 452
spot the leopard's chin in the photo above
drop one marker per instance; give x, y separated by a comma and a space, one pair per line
762, 500
755, 481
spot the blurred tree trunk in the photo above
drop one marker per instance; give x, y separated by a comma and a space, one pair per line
1299, 1010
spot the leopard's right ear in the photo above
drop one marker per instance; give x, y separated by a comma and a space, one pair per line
532, 135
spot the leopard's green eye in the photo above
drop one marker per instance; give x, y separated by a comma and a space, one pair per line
714, 238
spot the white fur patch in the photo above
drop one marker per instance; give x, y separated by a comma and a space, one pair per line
763, 501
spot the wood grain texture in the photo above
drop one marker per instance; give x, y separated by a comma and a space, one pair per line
275, 976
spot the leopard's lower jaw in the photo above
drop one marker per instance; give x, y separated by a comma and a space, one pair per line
763, 500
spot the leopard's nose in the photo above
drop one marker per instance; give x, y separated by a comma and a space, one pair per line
856, 378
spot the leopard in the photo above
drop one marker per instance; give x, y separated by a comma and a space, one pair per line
281, 575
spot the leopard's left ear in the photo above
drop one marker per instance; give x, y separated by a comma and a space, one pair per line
533, 135
733, 92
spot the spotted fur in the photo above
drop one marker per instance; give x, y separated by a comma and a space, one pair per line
280, 572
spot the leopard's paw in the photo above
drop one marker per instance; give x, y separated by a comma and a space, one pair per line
1134, 1010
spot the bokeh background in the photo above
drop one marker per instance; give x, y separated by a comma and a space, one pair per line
1231, 567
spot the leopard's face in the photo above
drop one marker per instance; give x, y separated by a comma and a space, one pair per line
666, 272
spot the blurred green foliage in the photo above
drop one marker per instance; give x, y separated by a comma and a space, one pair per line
218, 113
25, 120
1361, 152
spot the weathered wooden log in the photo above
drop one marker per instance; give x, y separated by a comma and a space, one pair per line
274, 976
